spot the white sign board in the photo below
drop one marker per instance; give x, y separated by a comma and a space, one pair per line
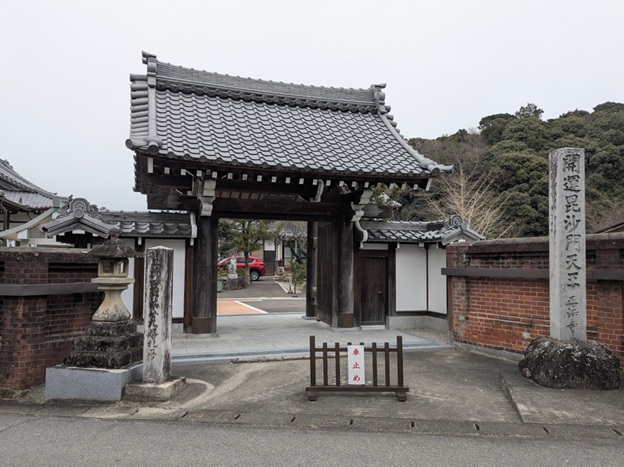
355, 361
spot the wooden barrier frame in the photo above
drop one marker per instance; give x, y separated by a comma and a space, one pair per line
334, 352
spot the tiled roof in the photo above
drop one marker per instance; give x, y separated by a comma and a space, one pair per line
150, 224
26, 199
21, 192
445, 231
181, 113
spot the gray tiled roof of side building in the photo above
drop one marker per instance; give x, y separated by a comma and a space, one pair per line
419, 232
21, 192
29, 200
150, 224
242, 122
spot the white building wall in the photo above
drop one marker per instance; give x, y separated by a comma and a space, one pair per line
437, 282
179, 257
411, 280
128, 294
178, 247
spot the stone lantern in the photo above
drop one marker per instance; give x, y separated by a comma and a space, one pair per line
112, 277
111, 339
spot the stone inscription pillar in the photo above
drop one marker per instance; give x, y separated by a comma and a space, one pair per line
158, 300
568, 319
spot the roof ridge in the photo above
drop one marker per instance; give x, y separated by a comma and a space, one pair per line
193, 80
364, 110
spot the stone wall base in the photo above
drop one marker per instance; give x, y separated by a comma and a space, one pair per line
89, 384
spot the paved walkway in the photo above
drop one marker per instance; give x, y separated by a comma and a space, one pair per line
279, 334
246, 330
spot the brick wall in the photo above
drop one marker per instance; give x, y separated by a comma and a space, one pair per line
38, 325
499, 292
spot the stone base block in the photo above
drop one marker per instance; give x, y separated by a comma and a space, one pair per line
157, 392
111, 345
89, 384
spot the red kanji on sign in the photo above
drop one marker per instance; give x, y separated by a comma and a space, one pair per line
356, 364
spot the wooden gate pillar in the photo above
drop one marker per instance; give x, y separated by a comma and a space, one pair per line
311, 270
346, 295
205, 276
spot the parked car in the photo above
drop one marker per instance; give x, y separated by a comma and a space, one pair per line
256, 266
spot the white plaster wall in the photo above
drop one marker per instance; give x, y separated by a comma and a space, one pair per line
178, 247
126, 295
437, 282
411, 279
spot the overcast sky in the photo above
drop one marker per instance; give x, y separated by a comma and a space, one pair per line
65, 65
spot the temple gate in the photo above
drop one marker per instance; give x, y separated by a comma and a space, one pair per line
229, 147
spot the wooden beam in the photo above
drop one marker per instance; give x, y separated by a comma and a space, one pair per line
311, 270
265, 187
173, 202
346, 293
170, 181
277, 209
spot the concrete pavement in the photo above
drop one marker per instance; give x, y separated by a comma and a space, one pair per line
278, 334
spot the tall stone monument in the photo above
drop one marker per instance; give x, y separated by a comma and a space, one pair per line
158, 299
567, 245
566, 359
157, 383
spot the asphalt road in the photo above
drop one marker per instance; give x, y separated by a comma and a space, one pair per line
47, 441
265, 295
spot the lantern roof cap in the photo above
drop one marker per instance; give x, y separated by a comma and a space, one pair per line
113, 247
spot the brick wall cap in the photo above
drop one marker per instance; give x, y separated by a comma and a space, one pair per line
527, 244
42, 249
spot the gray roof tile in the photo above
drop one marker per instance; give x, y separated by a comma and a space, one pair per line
150, 224
444, 231
252, 123
21, 192
29, 200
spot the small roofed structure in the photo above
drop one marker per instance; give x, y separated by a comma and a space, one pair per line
77, 222
226, 146
401, 283
82, 224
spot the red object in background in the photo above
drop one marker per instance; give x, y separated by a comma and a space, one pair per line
256, 266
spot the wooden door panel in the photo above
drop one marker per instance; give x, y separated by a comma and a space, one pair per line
374, 289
